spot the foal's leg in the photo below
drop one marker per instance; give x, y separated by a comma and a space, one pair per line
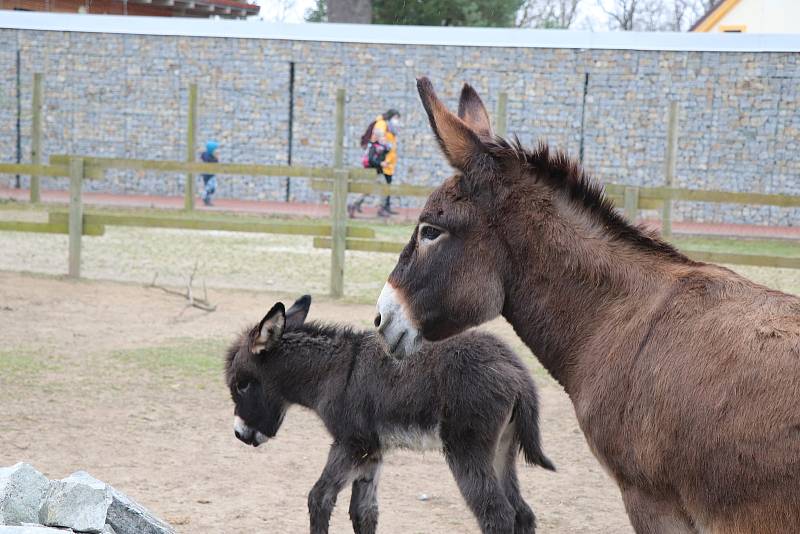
651, 515
364, 498
475, 476
524, 518
322, 498
505, 467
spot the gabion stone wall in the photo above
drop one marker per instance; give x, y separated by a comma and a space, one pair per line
126, 96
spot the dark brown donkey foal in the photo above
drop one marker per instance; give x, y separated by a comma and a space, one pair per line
470, 397
685, 376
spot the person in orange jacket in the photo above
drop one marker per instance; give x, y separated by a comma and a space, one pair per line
383, 131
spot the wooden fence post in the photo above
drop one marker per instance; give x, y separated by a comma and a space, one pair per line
338, 231
191, 141
36, 134
339, 203
631, 203
501, 122
669, 168
76, 173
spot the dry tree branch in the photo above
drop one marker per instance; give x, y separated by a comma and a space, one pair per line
192, 302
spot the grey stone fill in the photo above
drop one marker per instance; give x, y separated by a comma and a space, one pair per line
22, 492
126, 96
79, 502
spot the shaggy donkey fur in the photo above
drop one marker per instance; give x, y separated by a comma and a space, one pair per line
470, 397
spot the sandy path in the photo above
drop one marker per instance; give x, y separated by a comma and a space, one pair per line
164, 435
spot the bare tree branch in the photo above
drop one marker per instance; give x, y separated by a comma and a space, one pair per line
653, 15
202, 304
559, 14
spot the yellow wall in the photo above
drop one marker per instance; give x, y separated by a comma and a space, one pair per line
754, 16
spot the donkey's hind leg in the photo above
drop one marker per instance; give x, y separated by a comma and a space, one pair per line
364, 498
524, 518
322, 499
505, 468
481, 489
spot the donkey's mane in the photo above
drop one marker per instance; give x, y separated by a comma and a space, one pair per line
324, 329
310, 328
560, 172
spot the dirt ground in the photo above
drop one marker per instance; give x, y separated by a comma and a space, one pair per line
112, 378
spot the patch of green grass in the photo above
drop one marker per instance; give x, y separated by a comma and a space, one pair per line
739, 245
24, 363
185, 357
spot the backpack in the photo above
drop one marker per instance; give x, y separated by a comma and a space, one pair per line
374, 155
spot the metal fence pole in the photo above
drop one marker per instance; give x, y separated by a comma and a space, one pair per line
501, 123
191, 142
76, 174
339, 203
36, 134
671, 160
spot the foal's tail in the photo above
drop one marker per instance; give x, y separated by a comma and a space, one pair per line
526, 418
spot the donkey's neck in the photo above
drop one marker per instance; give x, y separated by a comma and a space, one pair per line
570, 279
314, 362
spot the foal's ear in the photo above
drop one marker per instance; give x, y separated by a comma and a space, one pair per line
459, 142
296, 315
472, 111
269, 330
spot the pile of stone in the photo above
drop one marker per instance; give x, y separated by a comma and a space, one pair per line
30, 503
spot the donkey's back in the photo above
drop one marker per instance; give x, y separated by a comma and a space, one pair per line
435, 398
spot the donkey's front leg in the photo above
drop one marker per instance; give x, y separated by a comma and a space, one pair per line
364, 497
655, 515
322, 498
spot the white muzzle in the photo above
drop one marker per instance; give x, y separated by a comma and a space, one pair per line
246, 434
394, 324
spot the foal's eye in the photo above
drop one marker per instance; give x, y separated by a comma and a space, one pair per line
243, 386
429, 233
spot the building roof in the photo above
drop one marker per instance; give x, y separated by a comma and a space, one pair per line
377, 34
712, 16
205, 8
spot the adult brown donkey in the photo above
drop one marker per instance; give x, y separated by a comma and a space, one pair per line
685, 376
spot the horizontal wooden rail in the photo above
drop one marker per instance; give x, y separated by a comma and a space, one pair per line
34, 169
27, 207
402, 190
698, 195
394, 247
649, 197
51, 227
231, 224
643, 204
785, 262
365, 245
96, 164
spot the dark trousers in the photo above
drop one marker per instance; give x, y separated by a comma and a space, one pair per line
388, 201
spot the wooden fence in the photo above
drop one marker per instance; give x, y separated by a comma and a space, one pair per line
336, 179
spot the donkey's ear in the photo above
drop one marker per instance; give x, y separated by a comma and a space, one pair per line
472, 111
269, 330
459, 142
296, 315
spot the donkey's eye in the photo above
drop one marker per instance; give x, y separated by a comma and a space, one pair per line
243, 386
429, 233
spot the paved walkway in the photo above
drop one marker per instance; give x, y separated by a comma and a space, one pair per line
322, 211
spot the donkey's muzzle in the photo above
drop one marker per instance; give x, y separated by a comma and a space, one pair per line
247, 435
394, 324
